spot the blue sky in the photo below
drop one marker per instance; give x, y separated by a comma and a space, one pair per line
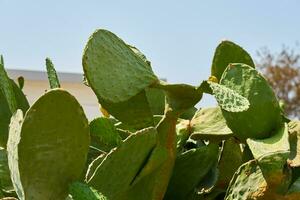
179, 37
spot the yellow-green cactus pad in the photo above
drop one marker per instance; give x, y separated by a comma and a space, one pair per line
113, 69
276, 143
209, 124
263, 115
247, 183
47, 149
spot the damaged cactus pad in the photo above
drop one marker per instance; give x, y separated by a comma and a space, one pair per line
150, 141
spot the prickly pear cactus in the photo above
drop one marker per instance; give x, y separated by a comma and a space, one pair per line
151, 143
263, 115
47, 149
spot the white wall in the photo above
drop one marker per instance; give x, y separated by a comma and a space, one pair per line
36, 84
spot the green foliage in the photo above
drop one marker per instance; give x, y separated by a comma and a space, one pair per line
263, 115
52, 76
228, 52
113, 70
152, 142
81, 191
209, 124
47, 149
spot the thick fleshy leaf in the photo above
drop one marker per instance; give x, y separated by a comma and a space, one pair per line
6, 88
152, 181
276, 143
156, 99
182, 133
113, 70
48, 148
228, 52
263, 115
189, 113
135, 112
6, 185
181, 97
110, 178
275, 171
5, 113
228, 99
81, 191
52, 76
209, 124
189, 169
294, 137
247, 183
231, 159
104, 134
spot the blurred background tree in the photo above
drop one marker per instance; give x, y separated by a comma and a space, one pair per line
282, 70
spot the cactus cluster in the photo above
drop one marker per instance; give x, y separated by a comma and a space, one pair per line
150, 143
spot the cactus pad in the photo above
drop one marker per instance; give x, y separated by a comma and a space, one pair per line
228, 52
278, 142
104, 135
111, 179
113, 70
5, 113
48, 148
263, 115
198, 162
209, 124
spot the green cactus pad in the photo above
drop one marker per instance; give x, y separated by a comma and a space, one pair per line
230, 161
140, 54
228, 52
228, 99
6, 88
247, 183
52, 76
181, 97
81, 191
188, 113
276, 143
156, 99
48, 148
112, 178
189, 169
113, 70
104, 134
209, 124
182, 133
6, 185
157, 171
135, 112
275, 171
5, 113
294, 137
263, 115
